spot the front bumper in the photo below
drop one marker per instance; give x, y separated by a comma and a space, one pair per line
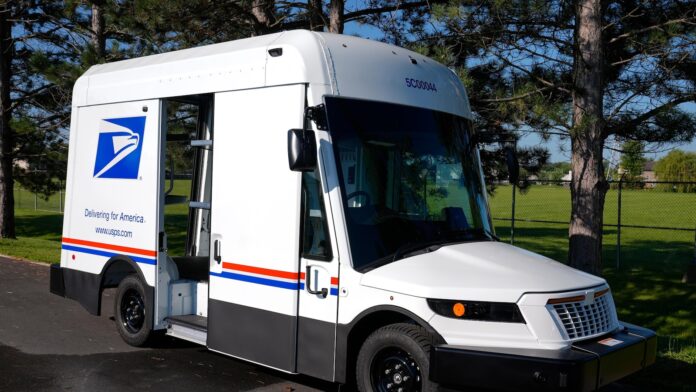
586, 366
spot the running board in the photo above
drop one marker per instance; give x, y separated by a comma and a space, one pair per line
190, 327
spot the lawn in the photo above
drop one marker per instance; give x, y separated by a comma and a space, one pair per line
38, 233
647, 287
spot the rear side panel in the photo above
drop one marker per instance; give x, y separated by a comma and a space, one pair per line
113, 183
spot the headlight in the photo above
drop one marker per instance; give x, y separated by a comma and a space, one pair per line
481, 311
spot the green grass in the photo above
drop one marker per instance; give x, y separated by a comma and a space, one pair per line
176, 219
38, 236
39, 232
25, 200
647, 287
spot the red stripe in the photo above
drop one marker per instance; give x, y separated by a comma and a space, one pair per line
269, 272
102, 245
261, 271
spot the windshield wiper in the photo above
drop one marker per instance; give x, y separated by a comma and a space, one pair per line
409, 248
419, 247
471, 232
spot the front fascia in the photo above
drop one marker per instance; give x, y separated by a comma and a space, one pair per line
545, 323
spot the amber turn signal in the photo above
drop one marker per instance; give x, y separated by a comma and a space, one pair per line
458, 309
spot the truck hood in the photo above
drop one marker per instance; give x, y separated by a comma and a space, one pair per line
481, 271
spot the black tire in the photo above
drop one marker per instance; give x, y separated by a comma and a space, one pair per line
133, 318
395, 356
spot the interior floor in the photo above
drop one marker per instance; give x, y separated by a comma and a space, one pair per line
190, 320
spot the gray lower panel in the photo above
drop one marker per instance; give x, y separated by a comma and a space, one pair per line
83, 287
253, 334
315, 348
86, 289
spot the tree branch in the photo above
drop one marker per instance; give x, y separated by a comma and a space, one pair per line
649, 28
514, 98
624, 128
397, 7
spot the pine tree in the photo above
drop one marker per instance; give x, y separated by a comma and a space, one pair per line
584, 71
632, 160
37, 69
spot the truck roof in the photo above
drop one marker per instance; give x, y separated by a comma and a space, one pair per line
349, 66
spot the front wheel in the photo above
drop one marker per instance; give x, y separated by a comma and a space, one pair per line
131, 312
395, 358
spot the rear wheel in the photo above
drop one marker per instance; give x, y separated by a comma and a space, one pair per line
395, 358
131, 312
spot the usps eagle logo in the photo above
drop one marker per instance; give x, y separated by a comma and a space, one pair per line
119, 148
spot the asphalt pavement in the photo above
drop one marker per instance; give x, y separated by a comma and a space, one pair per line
49, 343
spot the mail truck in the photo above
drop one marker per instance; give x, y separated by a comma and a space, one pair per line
314, 203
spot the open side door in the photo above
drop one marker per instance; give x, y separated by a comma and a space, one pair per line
254, 262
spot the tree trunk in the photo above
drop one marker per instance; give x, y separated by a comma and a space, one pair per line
263, 12
7, 218
588, 185
336, 14
316, 15
98, 38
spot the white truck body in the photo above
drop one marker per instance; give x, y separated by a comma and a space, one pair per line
255, 302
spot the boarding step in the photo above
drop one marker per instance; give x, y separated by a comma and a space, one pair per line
189, 327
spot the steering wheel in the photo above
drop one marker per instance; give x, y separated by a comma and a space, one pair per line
368, 200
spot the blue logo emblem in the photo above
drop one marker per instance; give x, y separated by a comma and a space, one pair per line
119, 148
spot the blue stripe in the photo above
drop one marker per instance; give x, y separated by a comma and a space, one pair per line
107, 254
266, 282
257, 280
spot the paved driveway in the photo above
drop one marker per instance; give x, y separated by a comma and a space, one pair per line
48, 343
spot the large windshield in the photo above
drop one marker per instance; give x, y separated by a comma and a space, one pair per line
410, 179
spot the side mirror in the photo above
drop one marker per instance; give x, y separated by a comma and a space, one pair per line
513, 165
302, 150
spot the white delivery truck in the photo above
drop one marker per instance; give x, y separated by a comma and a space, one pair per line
332, 221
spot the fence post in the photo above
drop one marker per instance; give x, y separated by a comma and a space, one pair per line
60, 200
690, 274
36, 202
618, 225
512, 221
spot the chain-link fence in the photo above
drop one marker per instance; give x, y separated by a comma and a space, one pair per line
26, 199
642, 220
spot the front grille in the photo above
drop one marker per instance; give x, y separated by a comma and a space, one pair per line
581, 320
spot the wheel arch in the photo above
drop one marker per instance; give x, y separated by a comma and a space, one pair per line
349, 337
117, 268
87, 288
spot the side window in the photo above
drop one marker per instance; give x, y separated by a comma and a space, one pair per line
315, 235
